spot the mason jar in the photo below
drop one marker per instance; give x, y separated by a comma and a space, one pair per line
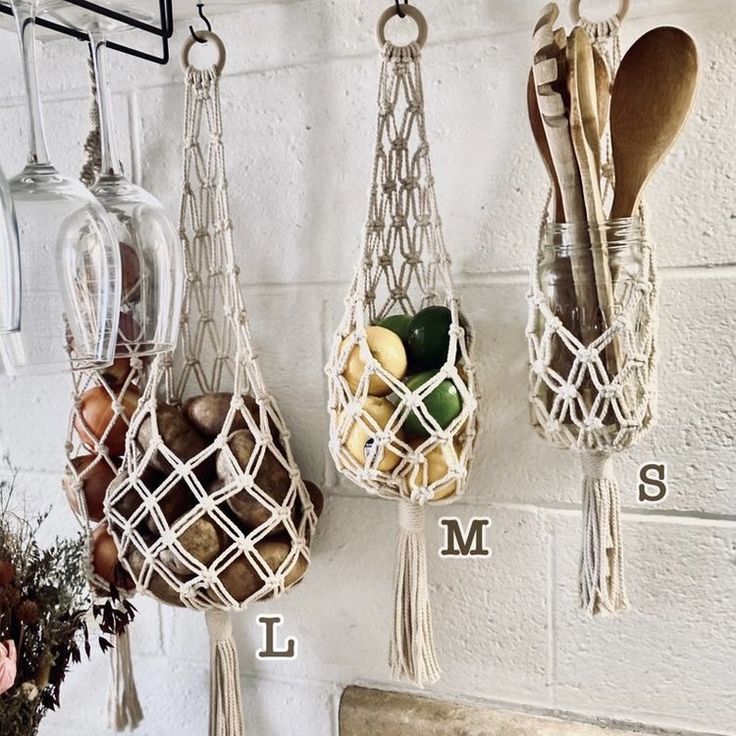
587, 275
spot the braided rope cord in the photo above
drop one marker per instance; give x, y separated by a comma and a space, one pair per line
214, 352
404, 266
623, 402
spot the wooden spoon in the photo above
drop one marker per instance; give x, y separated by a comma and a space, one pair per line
603, 91
585, 131
540, 138
653, 94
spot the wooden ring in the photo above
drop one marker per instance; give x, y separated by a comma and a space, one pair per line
210, 37
623, 10
411, 12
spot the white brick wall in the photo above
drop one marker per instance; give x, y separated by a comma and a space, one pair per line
298, 98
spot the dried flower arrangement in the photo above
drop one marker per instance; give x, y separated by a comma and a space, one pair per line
45, 609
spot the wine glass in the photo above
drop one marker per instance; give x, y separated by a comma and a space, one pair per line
150, 250
69, 256
9, 262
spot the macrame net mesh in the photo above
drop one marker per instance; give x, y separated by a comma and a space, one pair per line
209, 521
404, 268
94, 457
597, 398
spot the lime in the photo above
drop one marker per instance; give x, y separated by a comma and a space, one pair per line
428, 337
397, 323
443, 404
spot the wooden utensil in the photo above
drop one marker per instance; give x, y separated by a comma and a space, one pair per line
585, 131
554, 117
540, 138
602, 90
652, 96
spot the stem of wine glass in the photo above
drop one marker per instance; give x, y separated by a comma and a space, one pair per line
25, 18
111, 165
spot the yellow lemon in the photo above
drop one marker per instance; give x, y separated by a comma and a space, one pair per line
386, 347
360, 439
435, 467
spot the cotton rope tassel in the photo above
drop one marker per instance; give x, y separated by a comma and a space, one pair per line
602, 559
124, 708
226, 707
412, 655
124, 711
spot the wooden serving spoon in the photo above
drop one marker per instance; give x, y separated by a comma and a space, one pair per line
540, 138
653, 94
585, 131
603, 91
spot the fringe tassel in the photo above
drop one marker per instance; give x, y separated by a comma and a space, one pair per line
226, 707
602, 588
412, 656
123, 707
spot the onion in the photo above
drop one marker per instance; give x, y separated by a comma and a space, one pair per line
96, 479
96, 414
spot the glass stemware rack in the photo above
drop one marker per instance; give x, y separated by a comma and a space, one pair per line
163, 29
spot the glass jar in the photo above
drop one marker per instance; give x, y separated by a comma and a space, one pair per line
588, 274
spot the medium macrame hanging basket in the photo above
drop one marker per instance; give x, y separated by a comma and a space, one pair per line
208, 510
384, 432
597, 398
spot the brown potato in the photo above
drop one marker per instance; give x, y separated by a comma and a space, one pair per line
202, 540
178, 435
131, 500
157, 586
316, 497
272, 478
96, 478
242, 580
207, 414
177, 501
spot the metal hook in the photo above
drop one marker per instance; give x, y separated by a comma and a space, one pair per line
401, 13
200, 10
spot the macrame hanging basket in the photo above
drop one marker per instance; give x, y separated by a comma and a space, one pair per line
104, 401
209, 511
597, 396
386, 434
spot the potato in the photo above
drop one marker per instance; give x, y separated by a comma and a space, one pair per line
272, 478
202, 540
157, 586
178, 435
242, 580
316, 497
207, 414
177, 501
96, 478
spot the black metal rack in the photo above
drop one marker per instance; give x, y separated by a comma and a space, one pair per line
164, 30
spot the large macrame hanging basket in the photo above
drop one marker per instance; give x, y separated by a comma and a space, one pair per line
584, 400
209, 511
385, 432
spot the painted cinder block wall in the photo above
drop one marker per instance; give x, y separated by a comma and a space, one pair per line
298, 101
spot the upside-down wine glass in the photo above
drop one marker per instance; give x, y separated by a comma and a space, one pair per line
150, 250
69, 256
9, 262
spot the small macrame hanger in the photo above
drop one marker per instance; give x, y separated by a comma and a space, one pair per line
404, 265
124, 711
601, 574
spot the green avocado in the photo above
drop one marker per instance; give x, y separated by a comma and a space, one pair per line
397, 323
444, 404
428, 337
